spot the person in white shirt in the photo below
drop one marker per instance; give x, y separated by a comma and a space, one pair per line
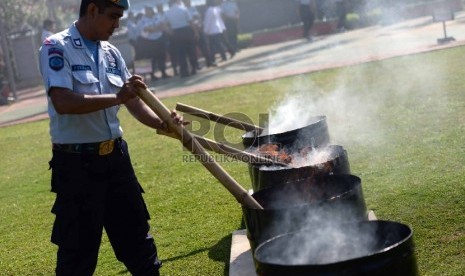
213, 27
184, 36
151, 30
133, 31
231, 14
200, 41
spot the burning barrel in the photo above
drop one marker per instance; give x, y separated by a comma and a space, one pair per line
368, 248
302, 203
331, 159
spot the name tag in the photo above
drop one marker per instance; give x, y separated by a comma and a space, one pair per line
75, 68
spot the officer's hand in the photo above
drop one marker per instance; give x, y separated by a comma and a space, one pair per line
129, 89
177, 120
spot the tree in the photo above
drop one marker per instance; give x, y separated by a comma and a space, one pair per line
18, 15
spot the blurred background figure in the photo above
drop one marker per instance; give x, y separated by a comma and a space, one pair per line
151, 43
48, 28
184, 36
168, 38
4, 89
341, 11
306, 10
231, 14
134, 31
200, 40
213, 27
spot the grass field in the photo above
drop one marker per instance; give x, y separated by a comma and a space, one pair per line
402, 122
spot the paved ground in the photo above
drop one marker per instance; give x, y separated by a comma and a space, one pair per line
282, 59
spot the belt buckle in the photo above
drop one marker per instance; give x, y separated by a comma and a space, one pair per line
106, 147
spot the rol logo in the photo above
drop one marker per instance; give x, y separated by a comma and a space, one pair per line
222, 132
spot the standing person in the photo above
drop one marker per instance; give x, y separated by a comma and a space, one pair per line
4, 88
182, 27
133, 30
341, 14
151, 27
48, 28
231, 15
200, 41
213, 27
306, 10
168, 40
86, 81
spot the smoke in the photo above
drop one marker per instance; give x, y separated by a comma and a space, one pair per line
328, 243
327, 233
363, 104
349, 116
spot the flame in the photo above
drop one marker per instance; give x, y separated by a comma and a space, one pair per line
307, 156
272, 151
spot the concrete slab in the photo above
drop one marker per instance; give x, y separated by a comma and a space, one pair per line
241, 260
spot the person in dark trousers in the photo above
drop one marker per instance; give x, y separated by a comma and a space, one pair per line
231, 15
201, 41
86, 81
183, 32
306, 10
151, 28
214, 28
341, 14
166, 38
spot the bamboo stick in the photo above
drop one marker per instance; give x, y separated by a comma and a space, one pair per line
232, 152
241, 195
217, 118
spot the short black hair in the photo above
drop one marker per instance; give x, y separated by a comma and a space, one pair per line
101, 4
48, 23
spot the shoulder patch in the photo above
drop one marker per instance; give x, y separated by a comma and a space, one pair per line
55, 59
56, 63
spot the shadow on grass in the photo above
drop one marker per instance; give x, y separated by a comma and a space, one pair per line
219, 252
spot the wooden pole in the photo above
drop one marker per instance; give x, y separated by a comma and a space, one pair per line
221, 148
241, 195
217, 118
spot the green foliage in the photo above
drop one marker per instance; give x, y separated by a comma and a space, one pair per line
409, 155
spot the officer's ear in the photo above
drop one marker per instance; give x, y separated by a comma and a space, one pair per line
92, 10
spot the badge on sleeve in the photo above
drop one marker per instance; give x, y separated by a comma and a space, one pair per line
55, 59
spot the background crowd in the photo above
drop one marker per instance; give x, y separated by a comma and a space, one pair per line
181, 36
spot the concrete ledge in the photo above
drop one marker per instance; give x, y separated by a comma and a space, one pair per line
241, 260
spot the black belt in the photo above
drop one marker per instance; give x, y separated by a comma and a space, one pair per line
100, 148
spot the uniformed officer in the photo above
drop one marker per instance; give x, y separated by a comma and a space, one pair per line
151, 39
86, 81
201, 40
184, 36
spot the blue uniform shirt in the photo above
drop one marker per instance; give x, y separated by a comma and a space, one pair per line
66, 62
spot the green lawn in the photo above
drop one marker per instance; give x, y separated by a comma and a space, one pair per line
402, 122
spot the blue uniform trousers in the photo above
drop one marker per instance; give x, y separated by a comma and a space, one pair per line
95, 192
